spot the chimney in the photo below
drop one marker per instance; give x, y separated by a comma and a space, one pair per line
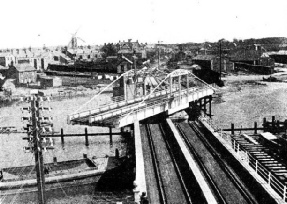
129, 40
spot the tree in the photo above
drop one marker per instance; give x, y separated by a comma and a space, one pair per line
109, 50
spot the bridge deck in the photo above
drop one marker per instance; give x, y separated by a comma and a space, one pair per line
118, 108
114, 114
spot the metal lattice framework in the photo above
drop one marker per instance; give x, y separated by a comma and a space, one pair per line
160, 86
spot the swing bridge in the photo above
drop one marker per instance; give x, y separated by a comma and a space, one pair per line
140, 94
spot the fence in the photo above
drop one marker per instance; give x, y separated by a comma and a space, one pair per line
278, 186
260, 170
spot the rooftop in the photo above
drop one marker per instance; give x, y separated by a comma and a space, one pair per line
24, 68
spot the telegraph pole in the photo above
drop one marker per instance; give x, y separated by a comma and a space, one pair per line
220, 60
135, 75
38, 149
158, 53
35, 128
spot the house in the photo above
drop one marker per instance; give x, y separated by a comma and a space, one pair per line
212, 62
124, 65
3, 70
22, 73
6, 59
129, 49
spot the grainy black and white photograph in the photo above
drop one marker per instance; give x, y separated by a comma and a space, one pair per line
143, 102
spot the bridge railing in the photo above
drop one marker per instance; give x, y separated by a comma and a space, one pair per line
260, 170
278, 186
118, 102
162, 103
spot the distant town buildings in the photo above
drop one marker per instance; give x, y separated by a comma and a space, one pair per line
6, 59
22, 73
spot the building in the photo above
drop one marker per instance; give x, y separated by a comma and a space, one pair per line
129, 49
3, 70
6, 59
212, 62
253, 59
22, 73
47, 81
124, 65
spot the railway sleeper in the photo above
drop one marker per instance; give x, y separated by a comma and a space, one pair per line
270, 162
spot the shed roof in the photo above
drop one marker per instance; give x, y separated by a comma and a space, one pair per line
204, 57
24, 68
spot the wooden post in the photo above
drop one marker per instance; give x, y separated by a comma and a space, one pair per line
264, 124
85, 156
278, 126
273, 123
55, 160
117, 154
111, 136
255, 128
86, 137
62, 136
232, 128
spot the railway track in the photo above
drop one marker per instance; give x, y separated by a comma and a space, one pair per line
171, 183
223, 181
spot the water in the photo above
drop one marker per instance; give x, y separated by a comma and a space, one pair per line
11, 146
249, 103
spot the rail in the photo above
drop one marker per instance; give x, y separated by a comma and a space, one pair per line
202, 167
177, 170
259, 169
162, 194
223, 165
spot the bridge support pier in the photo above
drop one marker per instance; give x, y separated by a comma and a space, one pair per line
193, 111
210, 99
111, 136
204, 106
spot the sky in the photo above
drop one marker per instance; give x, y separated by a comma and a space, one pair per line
51, 22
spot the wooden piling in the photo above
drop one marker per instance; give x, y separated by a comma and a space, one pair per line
232, 128
111, 135
273, 123
117, 154
86, 137
85, 156
62, 136
55, 160
255, 128
264, 124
